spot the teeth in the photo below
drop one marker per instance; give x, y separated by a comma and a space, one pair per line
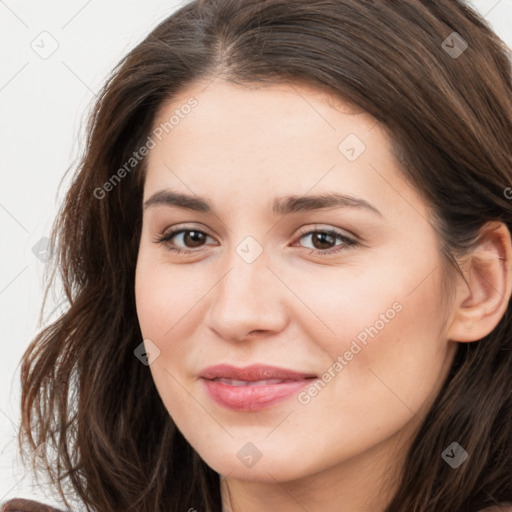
233, 382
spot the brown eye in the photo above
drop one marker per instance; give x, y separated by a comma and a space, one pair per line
324, 241
193, 238
183, 240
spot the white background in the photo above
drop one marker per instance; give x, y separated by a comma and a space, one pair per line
43, 105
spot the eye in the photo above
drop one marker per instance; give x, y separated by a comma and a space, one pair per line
323, 241
189, 238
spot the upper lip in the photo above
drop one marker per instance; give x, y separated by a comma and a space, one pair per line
253, 372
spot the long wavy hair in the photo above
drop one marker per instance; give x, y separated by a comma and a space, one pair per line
448, 111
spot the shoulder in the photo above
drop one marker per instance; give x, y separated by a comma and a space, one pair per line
21, 505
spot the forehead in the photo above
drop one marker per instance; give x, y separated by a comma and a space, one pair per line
296, 108
262, 140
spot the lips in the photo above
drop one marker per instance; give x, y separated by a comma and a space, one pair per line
255, 372
254, 387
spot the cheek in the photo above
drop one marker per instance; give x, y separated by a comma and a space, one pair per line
167, 309
382, 330
403, 356
335, 307
164, 295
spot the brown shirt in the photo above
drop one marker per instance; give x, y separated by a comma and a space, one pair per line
21, 505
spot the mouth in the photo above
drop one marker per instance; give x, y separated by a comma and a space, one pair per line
252, 388
254, 372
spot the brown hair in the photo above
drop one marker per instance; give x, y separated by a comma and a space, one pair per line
450, 120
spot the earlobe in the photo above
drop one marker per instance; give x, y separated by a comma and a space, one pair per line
482, 300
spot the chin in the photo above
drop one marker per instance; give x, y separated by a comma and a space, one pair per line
266, 469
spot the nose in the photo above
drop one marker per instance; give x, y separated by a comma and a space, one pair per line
248, 301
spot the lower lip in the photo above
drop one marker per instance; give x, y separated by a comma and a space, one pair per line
253, 398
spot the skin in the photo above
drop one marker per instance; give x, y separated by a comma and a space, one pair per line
240, 148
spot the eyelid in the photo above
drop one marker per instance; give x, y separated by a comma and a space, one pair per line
325, 227
183, 227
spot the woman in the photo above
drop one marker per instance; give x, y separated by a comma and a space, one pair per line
288, 259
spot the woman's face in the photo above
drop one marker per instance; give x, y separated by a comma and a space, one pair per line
347, 291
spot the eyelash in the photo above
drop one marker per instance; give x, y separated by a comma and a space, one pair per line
165, 238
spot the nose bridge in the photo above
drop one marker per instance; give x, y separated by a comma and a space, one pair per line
242, 286
245, 299
247, 263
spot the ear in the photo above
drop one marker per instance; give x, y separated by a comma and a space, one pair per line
480, 303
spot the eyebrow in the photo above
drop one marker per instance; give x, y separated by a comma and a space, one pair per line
280, 206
